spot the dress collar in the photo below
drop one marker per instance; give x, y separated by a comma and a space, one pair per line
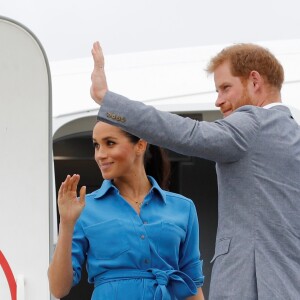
108, 186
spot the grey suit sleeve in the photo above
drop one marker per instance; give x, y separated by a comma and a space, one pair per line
221, 141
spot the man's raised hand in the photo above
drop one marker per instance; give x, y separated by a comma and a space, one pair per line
99, 85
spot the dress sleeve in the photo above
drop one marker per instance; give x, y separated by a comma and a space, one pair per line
189, 257
79, 250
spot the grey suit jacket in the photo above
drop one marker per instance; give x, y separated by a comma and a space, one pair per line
257, 151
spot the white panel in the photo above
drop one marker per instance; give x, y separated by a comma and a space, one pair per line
25, 156
172, 80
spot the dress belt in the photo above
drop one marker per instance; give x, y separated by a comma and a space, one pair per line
182, 285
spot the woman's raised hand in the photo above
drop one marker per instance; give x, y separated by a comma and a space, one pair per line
69, 205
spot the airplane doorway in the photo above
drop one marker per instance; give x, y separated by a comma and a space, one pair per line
193, 177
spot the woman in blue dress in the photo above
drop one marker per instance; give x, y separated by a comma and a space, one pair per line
139, 241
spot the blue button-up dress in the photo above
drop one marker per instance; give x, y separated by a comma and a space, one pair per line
154, 255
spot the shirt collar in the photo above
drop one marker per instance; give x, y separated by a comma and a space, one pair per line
108, 186
155, 187
270, 105
279, 106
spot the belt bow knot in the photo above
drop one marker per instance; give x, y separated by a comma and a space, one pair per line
180, 283
161, 277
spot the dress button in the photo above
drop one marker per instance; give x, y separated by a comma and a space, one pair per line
145, 222
146, 261
142, 237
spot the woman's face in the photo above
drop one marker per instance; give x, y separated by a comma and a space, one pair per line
115, 154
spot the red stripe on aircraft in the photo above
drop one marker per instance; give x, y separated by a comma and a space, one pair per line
9, 276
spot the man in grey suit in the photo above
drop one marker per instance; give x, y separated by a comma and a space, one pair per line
256, 147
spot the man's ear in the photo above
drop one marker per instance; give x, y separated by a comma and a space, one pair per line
256, 80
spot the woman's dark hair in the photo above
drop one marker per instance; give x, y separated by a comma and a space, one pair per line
156, 162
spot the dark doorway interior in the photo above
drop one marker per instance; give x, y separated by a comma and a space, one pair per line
193, 177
